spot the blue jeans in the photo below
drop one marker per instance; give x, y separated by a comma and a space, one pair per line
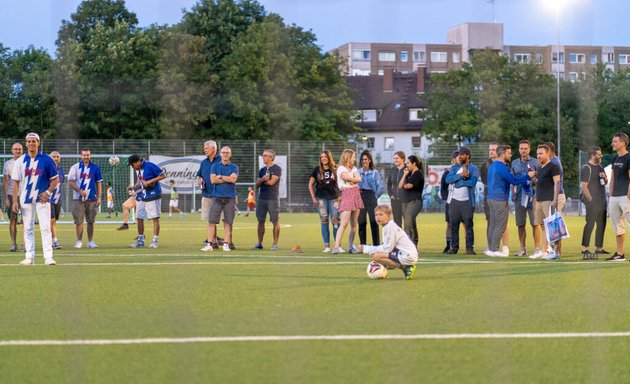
328, 212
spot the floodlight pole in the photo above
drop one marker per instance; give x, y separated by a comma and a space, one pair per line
558, 79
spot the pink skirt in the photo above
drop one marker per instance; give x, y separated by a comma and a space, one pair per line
350, 199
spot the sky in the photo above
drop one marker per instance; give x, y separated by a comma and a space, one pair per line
335, 22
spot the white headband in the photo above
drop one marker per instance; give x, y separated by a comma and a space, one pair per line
33, 135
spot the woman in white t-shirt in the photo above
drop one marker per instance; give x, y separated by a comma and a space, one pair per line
350, 200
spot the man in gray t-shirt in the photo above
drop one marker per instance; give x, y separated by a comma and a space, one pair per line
16, 150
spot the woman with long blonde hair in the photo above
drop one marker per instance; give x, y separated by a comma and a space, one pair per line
324, 191
350, 201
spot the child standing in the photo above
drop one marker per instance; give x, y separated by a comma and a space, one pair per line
397, 250
173, 203
251, 200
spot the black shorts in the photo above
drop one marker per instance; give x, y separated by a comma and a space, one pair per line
55, 211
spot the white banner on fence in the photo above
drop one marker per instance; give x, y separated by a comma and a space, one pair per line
183, 170
434, 174
280, 161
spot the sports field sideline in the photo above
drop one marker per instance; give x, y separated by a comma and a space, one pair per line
176, 314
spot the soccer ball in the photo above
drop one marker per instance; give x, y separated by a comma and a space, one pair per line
114, 161
376, 271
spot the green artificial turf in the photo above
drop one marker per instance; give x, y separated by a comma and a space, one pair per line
177, 291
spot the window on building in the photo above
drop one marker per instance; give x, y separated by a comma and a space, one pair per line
387, 56
361, 55
439, 57
419, 56
577, 58
539, 58
522, 58
561, 75
365, 115
624, 59
381, 72
593, 58
554, 57
370, 142
404, 56
417, 114
416, 141
389, 143
610, 58
456, 57
360, 72
573, 76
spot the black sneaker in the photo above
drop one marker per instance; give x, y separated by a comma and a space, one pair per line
257, 247
587, 255
453, 251
616, 257
123, 227
602, 252
470, 251
232, 247
448, 247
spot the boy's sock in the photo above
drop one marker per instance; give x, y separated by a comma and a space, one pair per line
155, 239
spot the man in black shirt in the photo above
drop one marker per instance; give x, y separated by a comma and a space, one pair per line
619, 194
547, 189
593, 183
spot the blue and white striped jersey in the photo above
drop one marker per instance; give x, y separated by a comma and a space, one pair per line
86, 177
34, 175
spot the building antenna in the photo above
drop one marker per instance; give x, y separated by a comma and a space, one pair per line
494, 20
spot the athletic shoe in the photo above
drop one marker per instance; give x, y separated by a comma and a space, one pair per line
336, 251
123, 227
274, 247
56, 244
257, 247
495, 254
521, 252
154, 244
453, 251
409, 271
50, 261
470, 251
326, 250
505, 251
551, 256
353, 251
537, 254
232, 246
616, 257
92, 245
137, 244
587, 255
226, 247
14, 248
78, 244
27, 261
602, 252
208, 248
446, 249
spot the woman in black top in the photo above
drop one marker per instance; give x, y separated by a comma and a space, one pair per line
412, 184
325, 194
395, 174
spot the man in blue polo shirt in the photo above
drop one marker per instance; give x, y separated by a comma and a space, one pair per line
34, 178
204, 182
148, 177
499, 180
85, 179
223, 175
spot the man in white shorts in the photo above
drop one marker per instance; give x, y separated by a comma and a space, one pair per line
150, 205
619, 192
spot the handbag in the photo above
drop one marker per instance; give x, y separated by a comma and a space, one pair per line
555, 227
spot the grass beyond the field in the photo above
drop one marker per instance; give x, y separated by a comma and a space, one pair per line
178, 315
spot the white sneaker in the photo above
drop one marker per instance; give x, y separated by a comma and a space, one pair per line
495, 254
91, 244
153, 244
505, 251
78, 244
551, 256
27, 261
341, 250
326, 250
208, 248
336, 251
50, 262
226, 247
537, 254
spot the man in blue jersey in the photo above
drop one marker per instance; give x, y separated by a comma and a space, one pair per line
55, 200
148, 176
223, 176
499, 180
85, 179
34, 178
204, 182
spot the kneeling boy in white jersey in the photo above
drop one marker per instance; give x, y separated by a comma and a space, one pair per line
397, 250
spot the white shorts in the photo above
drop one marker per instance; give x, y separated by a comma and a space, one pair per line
173, 203
110, 204
619, 214
402, 257
148, 210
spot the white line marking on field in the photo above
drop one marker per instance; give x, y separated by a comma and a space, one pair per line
152, 264
186, 340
